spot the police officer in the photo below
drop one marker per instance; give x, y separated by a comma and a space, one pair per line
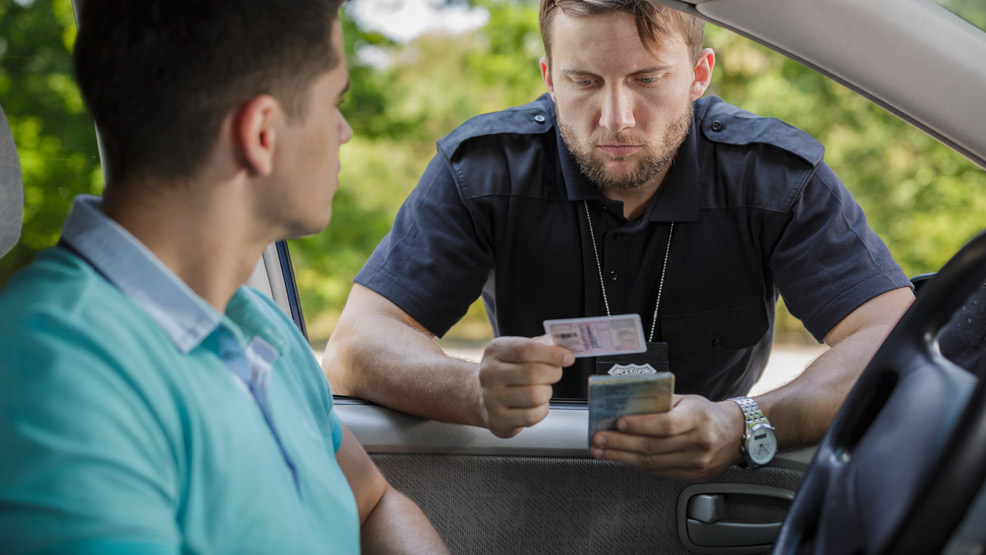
623, 190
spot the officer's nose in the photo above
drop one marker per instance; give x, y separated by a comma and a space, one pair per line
617, 110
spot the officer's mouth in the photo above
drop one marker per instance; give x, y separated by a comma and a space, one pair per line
619, 151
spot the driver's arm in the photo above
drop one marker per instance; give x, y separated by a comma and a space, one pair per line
389, 521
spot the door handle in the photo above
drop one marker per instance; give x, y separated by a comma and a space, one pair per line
743, 518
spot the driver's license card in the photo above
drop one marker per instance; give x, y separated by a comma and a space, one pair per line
598, 336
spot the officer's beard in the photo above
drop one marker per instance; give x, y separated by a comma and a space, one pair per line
652, 162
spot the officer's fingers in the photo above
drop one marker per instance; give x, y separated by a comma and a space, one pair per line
687, 413
709, 437
493, 375
643, 444
505, 432
495, 415
509, 418
524, 350
662, 425
523, 396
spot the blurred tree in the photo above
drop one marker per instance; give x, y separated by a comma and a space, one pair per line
973, 11
55, 138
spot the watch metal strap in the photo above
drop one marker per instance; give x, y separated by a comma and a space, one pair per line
751, 411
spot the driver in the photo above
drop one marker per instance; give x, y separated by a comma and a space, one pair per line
149, 403
623, 190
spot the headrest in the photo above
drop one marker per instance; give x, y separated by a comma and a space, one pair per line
11, 189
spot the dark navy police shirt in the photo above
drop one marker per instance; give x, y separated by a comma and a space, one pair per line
757, 213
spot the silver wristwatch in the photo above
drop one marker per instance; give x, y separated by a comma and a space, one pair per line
759, 444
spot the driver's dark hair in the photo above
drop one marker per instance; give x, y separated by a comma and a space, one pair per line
159, 76
654, 22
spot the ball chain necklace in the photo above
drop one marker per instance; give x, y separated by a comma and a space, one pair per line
599, 267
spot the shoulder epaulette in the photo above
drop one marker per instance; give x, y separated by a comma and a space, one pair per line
724, 123
531, 118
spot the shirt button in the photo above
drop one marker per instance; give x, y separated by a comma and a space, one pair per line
539, 118
717, 126
614, 275
717, 343
617, 236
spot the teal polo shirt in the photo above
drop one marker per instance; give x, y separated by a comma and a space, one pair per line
135, 418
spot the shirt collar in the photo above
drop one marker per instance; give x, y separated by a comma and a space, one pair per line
112, 251
679, 198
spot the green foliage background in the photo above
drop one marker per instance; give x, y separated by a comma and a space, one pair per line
922, 198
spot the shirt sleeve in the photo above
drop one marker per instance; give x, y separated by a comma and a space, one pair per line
827, 260
435, 261
84, 465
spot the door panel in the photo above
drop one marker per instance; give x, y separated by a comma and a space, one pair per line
540, 492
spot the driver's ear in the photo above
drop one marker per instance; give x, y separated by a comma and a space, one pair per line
255, 133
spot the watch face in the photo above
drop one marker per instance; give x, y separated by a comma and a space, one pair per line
762, 444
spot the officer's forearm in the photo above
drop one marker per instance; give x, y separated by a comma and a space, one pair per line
802, 410
381, 358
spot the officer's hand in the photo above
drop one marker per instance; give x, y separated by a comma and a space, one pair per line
515, 378
695, 441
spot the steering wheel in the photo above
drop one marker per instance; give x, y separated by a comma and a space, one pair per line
906, 454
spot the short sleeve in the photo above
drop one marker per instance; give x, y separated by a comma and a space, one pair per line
336, 424
85, 466
828, 261
435, 261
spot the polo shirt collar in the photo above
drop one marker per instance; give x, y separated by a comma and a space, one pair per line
679, 198
116, 254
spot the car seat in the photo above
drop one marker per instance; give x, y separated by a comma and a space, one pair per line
11, 189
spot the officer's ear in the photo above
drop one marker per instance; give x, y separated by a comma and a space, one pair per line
546, 76
702, 75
